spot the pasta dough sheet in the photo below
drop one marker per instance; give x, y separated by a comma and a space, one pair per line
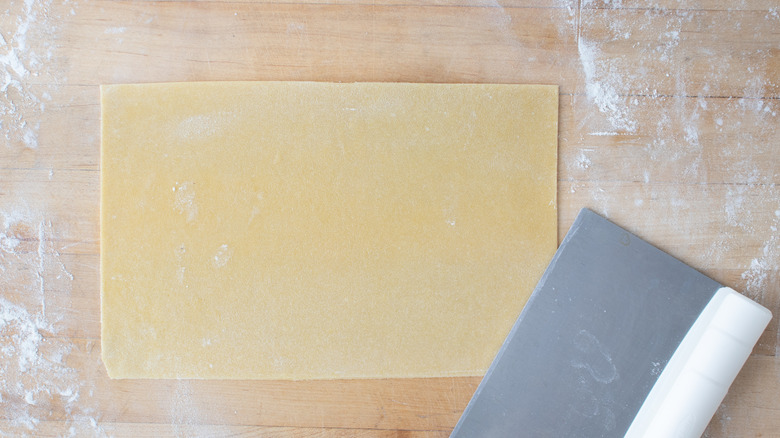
283, 230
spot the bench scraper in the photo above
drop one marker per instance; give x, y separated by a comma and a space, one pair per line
617, 339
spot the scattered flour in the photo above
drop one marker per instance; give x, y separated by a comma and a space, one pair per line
603, 86
184, 200
203, 126
767, 261
22, 104
115, 30
593, 358
582, 161
43, 375
36, 378
35, 354
223, 255
683, 128
184, 413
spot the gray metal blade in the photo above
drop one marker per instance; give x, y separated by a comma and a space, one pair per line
602, 323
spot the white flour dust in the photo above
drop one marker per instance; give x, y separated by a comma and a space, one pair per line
115, 30
593, 358
46, 384
222, 256
766, 262
21, 63
184, 201
183, 411
187, 417
603, 86
202, 126
696, 140
35, 356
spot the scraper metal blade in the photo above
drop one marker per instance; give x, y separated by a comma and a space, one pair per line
618, 339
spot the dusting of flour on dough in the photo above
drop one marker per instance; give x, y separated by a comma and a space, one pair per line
223, 255
184, 200
202, 126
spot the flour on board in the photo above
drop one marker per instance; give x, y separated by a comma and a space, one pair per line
34, 365
709, 145
22, 104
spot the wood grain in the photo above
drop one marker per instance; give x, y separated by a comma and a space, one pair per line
668, 125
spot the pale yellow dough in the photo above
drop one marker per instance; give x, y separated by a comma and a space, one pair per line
283, 230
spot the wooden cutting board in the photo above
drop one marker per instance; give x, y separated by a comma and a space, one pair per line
668, 124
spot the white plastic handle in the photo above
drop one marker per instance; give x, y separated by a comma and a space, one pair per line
699, 373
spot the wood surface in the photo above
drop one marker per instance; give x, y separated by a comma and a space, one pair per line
668, 125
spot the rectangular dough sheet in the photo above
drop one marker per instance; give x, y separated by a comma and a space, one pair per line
302, 230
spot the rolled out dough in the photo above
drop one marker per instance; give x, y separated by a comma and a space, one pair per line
282, 230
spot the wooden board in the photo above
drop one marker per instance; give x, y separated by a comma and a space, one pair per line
668, 125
